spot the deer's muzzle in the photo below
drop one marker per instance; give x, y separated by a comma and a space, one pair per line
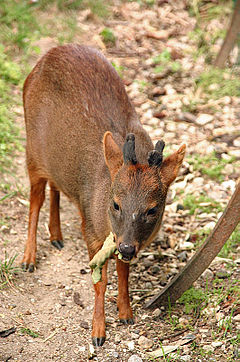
128, 251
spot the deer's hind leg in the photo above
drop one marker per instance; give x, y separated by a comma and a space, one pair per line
54, 220
37, 197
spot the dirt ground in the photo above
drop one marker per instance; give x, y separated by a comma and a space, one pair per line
51, 309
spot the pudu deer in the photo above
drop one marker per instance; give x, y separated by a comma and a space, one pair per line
84, 139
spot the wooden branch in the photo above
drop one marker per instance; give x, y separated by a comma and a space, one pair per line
230, 38
204, 256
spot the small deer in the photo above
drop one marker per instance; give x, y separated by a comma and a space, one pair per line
84, 138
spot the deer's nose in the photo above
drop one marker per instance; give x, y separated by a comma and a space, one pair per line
128, 251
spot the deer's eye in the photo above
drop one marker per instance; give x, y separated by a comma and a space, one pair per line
152, 211
116, 206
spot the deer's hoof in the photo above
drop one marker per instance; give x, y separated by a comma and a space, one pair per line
28, 267
98, 341
127, 321
58, 244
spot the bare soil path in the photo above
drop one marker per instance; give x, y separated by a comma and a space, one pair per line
52, 308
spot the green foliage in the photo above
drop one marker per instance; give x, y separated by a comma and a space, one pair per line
69, 5
202, 37
142, 84
143, 2
69, 28
231, 245
98, 7
203, 203
118, 68
29, 332
18, 24
10, 75
223, 289
204, 42
164, 60
217, 83
210, 165
211, 10
7, 270
10, 71
108, 36
193, 299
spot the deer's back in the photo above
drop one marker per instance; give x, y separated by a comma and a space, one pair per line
71, 98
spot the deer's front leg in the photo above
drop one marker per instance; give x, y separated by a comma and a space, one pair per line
98, 323
123, 302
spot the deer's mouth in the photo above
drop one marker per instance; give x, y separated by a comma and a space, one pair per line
125, 259
128, 251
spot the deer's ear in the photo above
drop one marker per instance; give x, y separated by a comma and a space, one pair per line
171, 165
112, 153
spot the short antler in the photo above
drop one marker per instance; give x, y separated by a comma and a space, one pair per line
155, 157
129, 155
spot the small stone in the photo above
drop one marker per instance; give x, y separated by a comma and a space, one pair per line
208, 348
117, 338
203, 119
236, 318
155, 269
147, 263
157, 91
134, 335
237, 261
183, 256
145, 342
198, 181
185, 358
230, 184
219, 316
217, 344
236, 142
157, 133
148, 285
77, 299
183, 321
130, 345
179, 207
135, 358
115, 354
151, 257
207, 274
210, 225
156, 313
137, 331
158, 34
84, 324
222, 274
186, 245
235, 153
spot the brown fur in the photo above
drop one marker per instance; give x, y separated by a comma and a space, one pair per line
77, 117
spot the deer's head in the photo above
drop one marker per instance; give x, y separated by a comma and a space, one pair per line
138, 192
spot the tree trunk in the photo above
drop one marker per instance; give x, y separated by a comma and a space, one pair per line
230, 38
204, 256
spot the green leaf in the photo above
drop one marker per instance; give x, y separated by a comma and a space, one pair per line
100, 258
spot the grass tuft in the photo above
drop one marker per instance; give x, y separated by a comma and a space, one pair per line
8, 270
29, 332
164, 60
108, 36
217, 83
210, 165
193, 299
201, 204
